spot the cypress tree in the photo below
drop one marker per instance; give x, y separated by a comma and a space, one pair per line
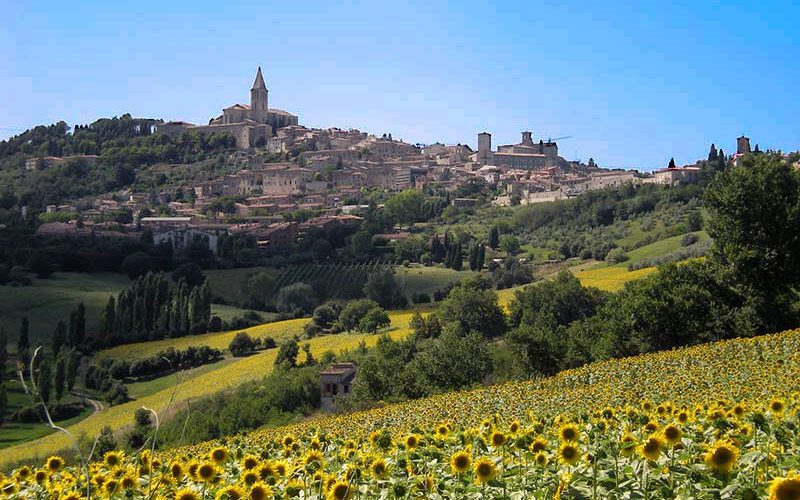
44, 381
473, 257
3, 353
712, 153
671, 163
3, 403
71, 370
24, 343
59, 337
458, 257
80, 324
481, 256
109, 316
494, 237
59, 380
72, 337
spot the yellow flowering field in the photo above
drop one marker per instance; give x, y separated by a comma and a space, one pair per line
227, 377
611, 279
712, 421
279, 331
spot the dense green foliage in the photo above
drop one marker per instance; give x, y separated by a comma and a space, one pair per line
123, 144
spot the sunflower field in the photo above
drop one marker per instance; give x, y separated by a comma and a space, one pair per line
712, 421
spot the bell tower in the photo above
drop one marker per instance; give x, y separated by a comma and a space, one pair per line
259, 99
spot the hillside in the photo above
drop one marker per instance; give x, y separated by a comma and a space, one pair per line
702, 418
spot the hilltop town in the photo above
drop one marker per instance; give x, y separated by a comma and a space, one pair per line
275, 167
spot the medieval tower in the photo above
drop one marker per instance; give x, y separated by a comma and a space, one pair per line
259, 95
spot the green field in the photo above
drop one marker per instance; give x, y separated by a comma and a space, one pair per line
49, 301
421, 279
227, 283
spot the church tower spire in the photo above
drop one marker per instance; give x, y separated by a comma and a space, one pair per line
259, 95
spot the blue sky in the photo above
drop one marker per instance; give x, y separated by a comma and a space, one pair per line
633, 83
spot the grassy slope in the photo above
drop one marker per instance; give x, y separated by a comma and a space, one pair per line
428, 280
226, 376
227, 283
49, 301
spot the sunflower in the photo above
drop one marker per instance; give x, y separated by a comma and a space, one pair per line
207, 472
266, 471
313, 456
219, 455
54, 463
260, 491
785, 488
287, 440
281, 468
539, 444
460, 462
412, 441
24, 473
652, 448
425, 483
111, 486
249, 462
540, 459
672, 434
186, 494
249, 477
230, 493
627, 445
568, 453
514, 427
40, 476
722, 457
442, 430
682, 416
568, 433
339, 491
127, 482
777, 406
176, 470
498, 439
379, 469
484, 470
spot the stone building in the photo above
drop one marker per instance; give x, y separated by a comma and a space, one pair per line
251, 125
335, 380
525, 155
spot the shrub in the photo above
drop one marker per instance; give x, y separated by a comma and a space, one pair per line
242, 345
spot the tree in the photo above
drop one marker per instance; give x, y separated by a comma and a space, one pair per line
354, 311
382, 287
671, 163
296, 298
59, 337
375, 319
257, 289
44, 381
481, 256
287, 353
23, 344
473, 307
494, 238
405, 207
189, 272
73, 363
712, 153
3, 403
325, 315
39, 263
78, 329
137, 264
754, 221
451, 362
59, 379
509, 244
241, 345
3, 353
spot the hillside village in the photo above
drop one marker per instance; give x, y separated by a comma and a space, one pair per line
279, 167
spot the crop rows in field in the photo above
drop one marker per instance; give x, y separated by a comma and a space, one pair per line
338, 281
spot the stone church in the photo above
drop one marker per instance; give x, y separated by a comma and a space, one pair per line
251, 125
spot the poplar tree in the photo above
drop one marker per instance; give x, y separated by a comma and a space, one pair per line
59, 337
